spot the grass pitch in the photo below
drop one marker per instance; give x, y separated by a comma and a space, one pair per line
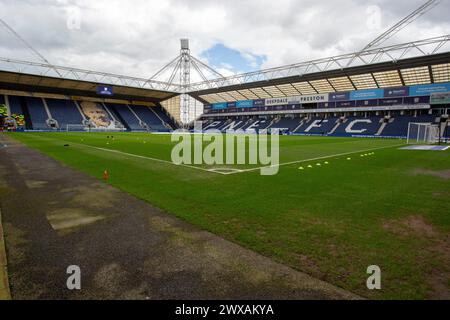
337, 205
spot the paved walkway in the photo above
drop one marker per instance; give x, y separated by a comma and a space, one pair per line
54, 217
4, 285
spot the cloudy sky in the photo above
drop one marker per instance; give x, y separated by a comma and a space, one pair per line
137, 37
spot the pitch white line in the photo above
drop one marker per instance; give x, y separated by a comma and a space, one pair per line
150, 158
318, 158
234, 171
129, 154
220, 170
237, 171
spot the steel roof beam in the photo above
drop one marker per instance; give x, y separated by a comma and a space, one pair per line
44, 69
391, 53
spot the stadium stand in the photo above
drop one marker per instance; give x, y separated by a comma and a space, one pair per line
318, 126
65, 112
350, 126
119, 122
246, 124
216, 124
363, 103
149, 118
38, 114
15, 105
234, 124
358, 126
399, 126
164, 117
142, 118
287, 123
206, 123
447, 130
97, 115
265, 124
257, 124
126, 116
302, 123
304, 108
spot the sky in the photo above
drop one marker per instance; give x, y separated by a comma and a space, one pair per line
138, 37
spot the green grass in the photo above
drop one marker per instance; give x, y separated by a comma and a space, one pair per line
331, 221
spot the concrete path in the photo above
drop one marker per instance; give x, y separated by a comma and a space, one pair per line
54, 217
4, 284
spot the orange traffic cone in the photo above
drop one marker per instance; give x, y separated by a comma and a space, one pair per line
105, 175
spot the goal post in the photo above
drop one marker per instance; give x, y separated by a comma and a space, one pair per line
75, 128
90, 128
422, 133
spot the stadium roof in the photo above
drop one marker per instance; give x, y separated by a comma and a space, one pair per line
54, 85
408, 72
421, 62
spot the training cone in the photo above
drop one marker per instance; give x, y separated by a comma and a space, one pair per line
106, 175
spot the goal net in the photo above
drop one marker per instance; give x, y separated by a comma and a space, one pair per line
87, 128
76, 127
422, 133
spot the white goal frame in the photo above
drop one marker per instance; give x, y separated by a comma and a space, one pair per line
86, 128
78, 126
427, 133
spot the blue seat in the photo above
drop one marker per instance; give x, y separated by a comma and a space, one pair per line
150, 118
399, 126
363, 127
287, 123
65, 112
163, 115
216, 124
258, 124
37, 112
321, 126
126, 115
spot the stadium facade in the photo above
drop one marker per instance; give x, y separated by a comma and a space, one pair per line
377, 100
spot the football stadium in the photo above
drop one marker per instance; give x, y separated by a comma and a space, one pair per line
356, 204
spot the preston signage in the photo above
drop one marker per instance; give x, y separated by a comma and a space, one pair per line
313, 98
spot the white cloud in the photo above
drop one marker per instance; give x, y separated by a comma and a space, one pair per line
138, 37
252, 60
226, 71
